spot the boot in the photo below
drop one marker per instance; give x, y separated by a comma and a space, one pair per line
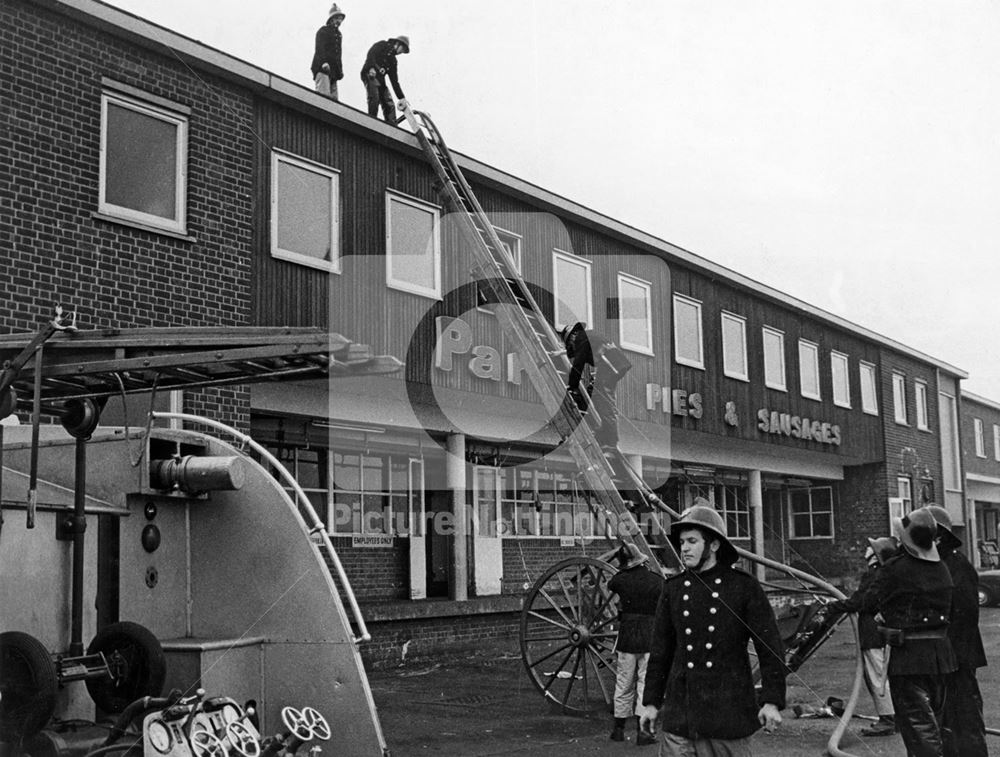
642, 738
618, 732
884, 726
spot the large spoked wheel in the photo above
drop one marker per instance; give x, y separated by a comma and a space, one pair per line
568, 635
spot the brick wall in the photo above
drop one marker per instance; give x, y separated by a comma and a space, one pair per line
525, 560
908, 450
115, 275
376, 574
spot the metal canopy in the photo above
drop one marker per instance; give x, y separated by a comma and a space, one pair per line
103, 363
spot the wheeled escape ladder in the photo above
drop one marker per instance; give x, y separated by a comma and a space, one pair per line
544, 359
539, 347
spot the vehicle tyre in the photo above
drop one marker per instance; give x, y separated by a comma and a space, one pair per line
135, 658
985, 597
28, 686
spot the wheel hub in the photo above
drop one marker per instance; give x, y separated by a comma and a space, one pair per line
580, 636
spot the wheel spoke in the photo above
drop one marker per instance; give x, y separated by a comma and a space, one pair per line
597, 675
538, 616
556, 607
569, 600
555, 676
550, 654
572, 679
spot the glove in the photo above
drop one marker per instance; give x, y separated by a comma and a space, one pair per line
403, 105
325, 68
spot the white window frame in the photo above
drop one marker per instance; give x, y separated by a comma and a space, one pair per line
333, 264
904, 490
780, 335
977, 426
682, 360
843, 400
728, 370
586, 265
996, 442
812, 512
435, 211
492, 525
899, 398
512, 243
173, 117
647, 288
867, 376
920, 395
805, 347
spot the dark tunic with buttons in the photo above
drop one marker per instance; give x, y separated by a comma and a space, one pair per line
699, 668
914, 595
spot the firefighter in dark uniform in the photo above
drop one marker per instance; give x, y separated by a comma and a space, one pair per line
699, 677
380, 63
912, 593
964, 730
586, 347
638, 591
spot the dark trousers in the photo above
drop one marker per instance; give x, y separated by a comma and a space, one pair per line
964, 732
378, 94
919, 701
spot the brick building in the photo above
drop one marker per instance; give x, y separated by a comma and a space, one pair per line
156, 181
981, 463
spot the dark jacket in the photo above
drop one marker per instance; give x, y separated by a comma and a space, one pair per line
638, 591
868, 633
963, 632
382, 58
328, 50
914, 595
699, 667
587, 347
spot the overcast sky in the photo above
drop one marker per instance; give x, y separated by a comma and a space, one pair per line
847, 153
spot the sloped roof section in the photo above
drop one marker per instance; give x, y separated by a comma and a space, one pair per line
104, 363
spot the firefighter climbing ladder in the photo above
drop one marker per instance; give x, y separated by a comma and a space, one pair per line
538, 345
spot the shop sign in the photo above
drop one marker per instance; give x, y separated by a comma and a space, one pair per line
371, 540
454, 337
774, 422
676, 401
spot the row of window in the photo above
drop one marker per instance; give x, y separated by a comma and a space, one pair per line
143, 179
977, 424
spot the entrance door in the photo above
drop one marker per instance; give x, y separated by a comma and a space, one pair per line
437, 543
774, 526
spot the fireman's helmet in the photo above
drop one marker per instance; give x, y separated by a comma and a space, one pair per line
705, 518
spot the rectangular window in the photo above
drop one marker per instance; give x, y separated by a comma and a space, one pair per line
486, 496
904, 490
143, 163
920, 393
996, 442
869, 398
839, 370
734, 346
735, 510
572, 289
413, 246
811, 512
977, 425
899, 397
951, 468
635, 317
774, 359
375, 494
511, 243
305, 212
688, 347
809, 369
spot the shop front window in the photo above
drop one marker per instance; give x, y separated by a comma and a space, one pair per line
811, 512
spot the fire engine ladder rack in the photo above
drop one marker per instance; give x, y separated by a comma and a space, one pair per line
99, 364
542, 353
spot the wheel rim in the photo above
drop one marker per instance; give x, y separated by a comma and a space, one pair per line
568, 635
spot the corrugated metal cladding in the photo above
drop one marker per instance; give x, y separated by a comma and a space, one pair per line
358, 303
